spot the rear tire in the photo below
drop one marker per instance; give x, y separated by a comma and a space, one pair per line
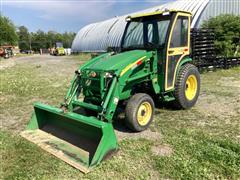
187, 87
139, 112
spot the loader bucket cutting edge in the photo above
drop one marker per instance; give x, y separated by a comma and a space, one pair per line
76, 139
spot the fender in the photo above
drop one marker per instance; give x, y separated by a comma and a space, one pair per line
185, 60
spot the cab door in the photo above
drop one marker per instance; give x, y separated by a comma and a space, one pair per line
177, 48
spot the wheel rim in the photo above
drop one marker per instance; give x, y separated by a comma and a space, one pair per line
191, 87
144, 113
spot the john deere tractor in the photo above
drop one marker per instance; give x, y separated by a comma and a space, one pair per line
153, 63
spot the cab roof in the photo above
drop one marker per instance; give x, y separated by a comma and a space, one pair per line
157, 13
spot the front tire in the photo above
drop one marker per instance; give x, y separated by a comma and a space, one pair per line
139, 112
187, 87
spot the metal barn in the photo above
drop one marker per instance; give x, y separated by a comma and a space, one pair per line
97, 37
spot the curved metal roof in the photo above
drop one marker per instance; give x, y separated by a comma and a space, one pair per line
97, 37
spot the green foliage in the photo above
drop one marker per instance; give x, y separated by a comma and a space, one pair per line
227, 30
42, 40
34, 40
8, 35
68, 38
24, 38
39, 40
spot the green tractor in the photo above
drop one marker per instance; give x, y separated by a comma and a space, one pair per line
153, 63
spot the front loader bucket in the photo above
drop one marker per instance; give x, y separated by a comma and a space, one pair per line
76, 139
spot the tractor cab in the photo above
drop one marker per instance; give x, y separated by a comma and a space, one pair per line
167, 33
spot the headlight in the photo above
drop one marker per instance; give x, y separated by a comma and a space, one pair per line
78, 72
93, 74
108, 75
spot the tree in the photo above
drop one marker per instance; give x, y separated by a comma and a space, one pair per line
24, 38
42, 40
39, 40
34, 40
227, 33
8, 35
51, 39
68, 38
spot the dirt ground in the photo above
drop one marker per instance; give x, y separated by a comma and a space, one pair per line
24, 75
173, 147
64, 66
39, 61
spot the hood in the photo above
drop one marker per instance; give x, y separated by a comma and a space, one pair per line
117, 62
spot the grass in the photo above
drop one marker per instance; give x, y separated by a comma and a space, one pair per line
198, 153
205, 144
22, 55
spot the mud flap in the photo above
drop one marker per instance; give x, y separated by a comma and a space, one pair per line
78, 140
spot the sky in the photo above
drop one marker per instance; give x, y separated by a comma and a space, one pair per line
72, 15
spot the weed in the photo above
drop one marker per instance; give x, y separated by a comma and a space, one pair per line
204, 140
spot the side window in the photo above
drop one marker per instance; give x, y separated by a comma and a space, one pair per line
180, 33
150, 33
134, 34
162, 30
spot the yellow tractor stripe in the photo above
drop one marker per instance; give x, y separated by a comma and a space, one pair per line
131, 65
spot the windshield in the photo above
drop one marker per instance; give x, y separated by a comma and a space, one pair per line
148, 32
59, 44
